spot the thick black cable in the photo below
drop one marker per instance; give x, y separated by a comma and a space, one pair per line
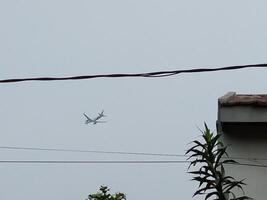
148, 74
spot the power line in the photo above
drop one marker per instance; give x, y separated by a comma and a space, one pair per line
116, 152
247, 164
113, 162
146, 74
91, 151
93, 161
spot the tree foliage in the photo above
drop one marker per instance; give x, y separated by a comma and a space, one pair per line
211, 156
104, 194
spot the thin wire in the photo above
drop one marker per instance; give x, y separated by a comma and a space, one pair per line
247, 164
91, 151
116, 152
147, 74
112, 162
93, 161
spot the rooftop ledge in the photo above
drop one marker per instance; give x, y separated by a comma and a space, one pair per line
242, 108
233, 99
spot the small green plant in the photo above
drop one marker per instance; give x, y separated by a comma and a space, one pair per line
104, 194
211, 156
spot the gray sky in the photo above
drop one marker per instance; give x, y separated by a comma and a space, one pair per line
65, 38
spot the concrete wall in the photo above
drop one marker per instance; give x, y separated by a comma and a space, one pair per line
256, 177
244, 129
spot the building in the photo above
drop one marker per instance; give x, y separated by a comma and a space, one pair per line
242, 121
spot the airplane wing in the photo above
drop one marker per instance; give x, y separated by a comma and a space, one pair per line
101, 121
98, 117
88, 118
103, 114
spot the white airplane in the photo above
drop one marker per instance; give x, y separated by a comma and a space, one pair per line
95, 120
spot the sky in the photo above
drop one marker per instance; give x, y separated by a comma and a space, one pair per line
153, 115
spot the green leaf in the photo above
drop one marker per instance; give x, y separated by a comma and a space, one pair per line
211, 194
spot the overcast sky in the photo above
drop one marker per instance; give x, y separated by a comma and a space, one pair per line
161, 115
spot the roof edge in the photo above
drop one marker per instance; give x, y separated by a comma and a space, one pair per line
225, 98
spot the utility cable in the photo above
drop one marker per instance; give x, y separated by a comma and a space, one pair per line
146, 74
93, 161
118, 152
90, 151
113, 162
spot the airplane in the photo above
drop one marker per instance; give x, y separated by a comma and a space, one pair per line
95, 120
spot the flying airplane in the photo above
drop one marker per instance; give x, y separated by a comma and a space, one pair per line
95, 120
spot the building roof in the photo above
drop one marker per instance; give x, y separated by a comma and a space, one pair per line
233, 99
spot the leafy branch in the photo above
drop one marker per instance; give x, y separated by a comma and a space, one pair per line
104, 194
211, 156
